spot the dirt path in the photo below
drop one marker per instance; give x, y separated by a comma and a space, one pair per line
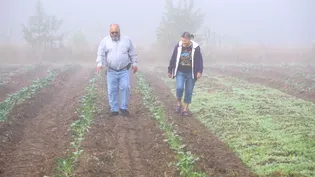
39, 128
16, 82
215, 156
128, 147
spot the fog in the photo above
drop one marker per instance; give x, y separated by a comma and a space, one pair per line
266, 22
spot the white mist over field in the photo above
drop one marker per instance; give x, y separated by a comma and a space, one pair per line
266, 22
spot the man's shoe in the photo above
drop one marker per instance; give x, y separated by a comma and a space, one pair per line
124, 112
112, 114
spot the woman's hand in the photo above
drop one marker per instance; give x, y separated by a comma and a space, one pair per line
198, 75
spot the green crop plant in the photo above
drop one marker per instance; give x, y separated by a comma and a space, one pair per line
185, 160
26, 93
86, 111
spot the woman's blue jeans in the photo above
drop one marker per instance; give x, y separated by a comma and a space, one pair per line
184, 82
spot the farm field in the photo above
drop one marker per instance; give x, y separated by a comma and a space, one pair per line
54, 122
296, 80
14, 79
266, 114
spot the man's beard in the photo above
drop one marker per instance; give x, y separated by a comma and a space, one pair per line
115, 37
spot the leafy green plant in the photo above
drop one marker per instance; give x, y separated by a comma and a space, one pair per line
185, 160
86, 113
26, 93
65, 166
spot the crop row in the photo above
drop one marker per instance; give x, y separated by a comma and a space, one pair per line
185, 160
22, 70
26, 93
297, 78
261, 65
270, 131
65, 167
300, 84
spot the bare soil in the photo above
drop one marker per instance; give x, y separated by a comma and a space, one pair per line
37, 131
16, 82
125, 146
216, 159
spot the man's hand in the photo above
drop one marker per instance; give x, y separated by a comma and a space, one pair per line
134, 69
169, 75
98, 69
198, 75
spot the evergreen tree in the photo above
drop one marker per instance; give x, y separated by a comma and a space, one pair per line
176, 20
42, 29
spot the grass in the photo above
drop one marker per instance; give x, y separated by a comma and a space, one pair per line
185, 160
273, 133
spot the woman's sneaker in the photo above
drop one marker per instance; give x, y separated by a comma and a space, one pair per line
185, 113
178, 109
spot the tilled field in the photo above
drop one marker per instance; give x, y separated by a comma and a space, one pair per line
61, 126
265, 114
296, 80
14, 82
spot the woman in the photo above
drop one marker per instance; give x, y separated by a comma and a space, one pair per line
186, 65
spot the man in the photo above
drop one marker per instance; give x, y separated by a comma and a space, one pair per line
186, 64
117, 53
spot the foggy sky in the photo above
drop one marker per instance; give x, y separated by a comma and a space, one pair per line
268, 22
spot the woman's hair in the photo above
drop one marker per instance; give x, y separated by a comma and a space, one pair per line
186, 35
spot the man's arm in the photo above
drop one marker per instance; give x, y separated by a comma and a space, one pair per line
101, 55
133, 54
